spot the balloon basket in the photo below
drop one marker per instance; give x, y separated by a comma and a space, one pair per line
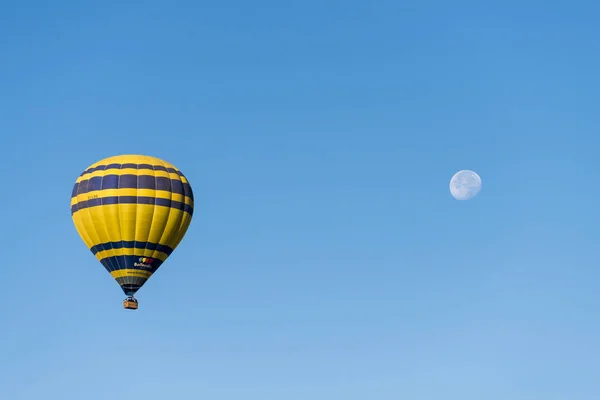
130, 304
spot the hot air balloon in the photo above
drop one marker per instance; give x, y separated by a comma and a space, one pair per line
132, 211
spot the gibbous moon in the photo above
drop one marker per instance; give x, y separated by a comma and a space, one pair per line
465, 185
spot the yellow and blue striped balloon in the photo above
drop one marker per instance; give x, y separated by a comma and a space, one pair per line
132, 211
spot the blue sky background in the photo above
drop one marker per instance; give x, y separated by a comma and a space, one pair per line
326, 258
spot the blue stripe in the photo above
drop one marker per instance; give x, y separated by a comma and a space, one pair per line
131, 165
117, 263
129, 181
131, 245
102, 201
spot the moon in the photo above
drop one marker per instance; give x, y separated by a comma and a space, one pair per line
465, 185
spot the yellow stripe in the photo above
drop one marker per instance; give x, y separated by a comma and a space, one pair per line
129, 222
131, 252
130, 171
159, 194
138, 273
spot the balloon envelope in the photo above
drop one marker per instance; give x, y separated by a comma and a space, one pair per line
132, 211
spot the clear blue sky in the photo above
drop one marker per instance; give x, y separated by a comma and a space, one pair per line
326, 259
